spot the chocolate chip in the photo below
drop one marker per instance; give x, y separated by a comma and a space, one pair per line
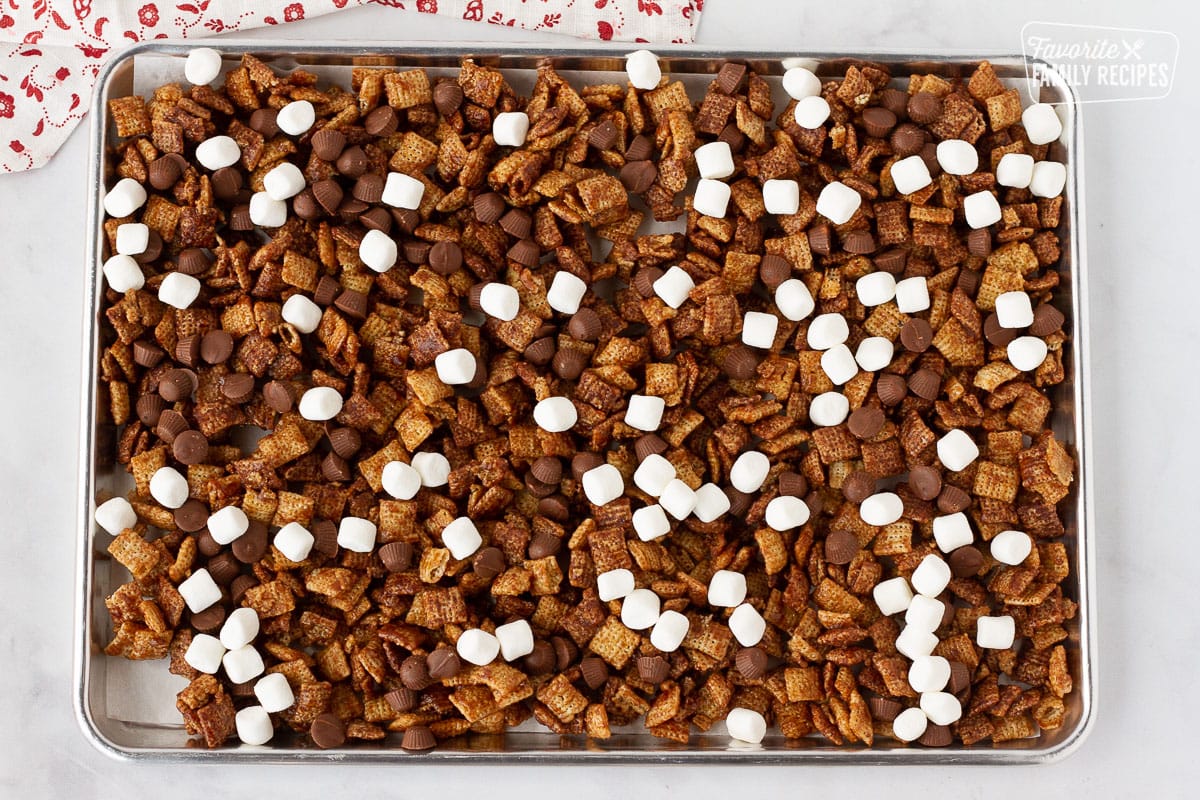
925, 482
547, 469
164, 172
278, 396
325, 538
594, 671
892, 261
555, 507
638, 176
237, 387
489, 562
653, 669
565, 652
418, 738
740, 363
916, 335
995, 334
210, 619
445, 258
170, 424
841, 547
585, 325
305, 205
177, 384
643, 280
488, 207
146, 354
525, 252
193, 261
1046, 320
858, 486
541, 660
216, 347
979, 242
262, 120
730, 77
733, 137
239, 218
936, 736
960, 677
878, 121
443, 663
335, 468
353, 162
149, 408
517, 223
774, 270
401, 699
603, 136
414, 673
382, 121
327, 731
187, 350
907, 140
820, 240
544, 544
866, 422
792, 484
251, 545
751, 662
925, 383
924, 108
965, 562
540, 351
206, 544
447, 96
190, 447
568, 364
952, 499
858, 242
739, 501
639, 149
241, 584
191, 516
226, 183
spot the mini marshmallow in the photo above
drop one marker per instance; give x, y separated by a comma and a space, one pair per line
168, 487
711, 502
882, 508
669, 631
199, 591
929, 674
240, 628
500, 300
640, 609
510, 128
555, 414
218, 152
811, 112
839, 364
758, 329
1041, 123
957, 450
952, 531
1011, 547
957, 157
202, 66
614, 584
924, 613
911, 175
786, 512
651, 523
892, 596
267, 212
284, 181
403, 191
714, 160
712, 198
178, 290
874, 353
516, 640
674, 286
478, 647
838, 202
603, 484
461, 538
1013, 310
981, 209
749, 471
125, 197
914, 642
253, 724
828, 409
456, 367
132, 238
800, 83
793, 299
642, 69
995, 633
123, 274
653, 474
115, 515
1027, 353
274, 692
400, 480
747, 625
827, 330
875, 289
645, 412
205, 653
358, 535
1015, 170
932, 576
296, 117
910, 724
303, 314
677, 499
781, 196
726, 588
320, 403
1048, 180
942, 708
746, 725
294, 541
912, 295
378, 250
434, 468
226, 524
566, 292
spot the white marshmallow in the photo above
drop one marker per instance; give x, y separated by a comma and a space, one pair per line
253, 724
714, 160
403, 191
566, 292
640, 609
838, 202
218, 152
1048, 180
1011, 547
202, 66
746, 725
1027, 353
1042, 124
132, 238
711, 502
747, 625
995, 633
303, 314
932, 576
500, 300
227, 524
296, 117
677, 499
875, 289
892, 596
477, 646
882, 508
274, 692
357, 535
800, 83
827, 330
1015, 170
510, 128
874, 353
952, 531
957, 157
199, 591
645, 412
674, 286
461, 538
929, 674
749, 471
812, 112
669, 631
911, 175
434, 468
400, 480
516, 640
125, 197
240, 628
942, 708
555, 414
614, 584
839, 364
320, 403
168, 487
653, 474
726, 588
981, 209
912, 295
178, 290
123, 274
828, 409
793, 299
957, 450
642, 69
786, 512
758, 329
267, 212
294, 541
781, 196
205, 653
378, 251
651, 523
712, 198
910, 724
456, 367
115, 515
924, 613
914, 642
603, 484
1013, 310
284, 181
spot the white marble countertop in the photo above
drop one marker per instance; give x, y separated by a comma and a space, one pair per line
1141, 166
